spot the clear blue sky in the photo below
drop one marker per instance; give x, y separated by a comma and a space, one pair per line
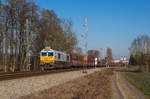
111, 23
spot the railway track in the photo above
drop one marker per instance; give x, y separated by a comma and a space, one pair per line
8, 76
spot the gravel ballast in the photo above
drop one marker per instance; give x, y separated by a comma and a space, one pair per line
11, 89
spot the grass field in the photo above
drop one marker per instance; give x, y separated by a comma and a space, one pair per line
140, 80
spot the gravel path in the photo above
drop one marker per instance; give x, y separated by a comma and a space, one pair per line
123, 89
116, 90
12, 89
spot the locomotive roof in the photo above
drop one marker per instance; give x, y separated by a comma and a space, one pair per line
48, 49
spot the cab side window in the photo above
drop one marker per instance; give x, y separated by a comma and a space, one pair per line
59, 56
67, 57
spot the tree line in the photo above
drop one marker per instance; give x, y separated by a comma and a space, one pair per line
25, 29
140, 52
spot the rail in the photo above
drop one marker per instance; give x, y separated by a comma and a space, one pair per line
16, 75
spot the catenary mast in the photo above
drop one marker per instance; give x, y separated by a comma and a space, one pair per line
85, 42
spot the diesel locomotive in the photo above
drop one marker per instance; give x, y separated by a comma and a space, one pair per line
50, 58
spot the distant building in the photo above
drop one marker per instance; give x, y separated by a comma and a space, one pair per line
122, 61
116, 61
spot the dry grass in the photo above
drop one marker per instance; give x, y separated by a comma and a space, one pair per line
94, 86
129, 69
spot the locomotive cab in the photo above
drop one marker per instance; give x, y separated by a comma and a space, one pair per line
47, 57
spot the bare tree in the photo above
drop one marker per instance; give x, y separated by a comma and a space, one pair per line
70, 37
44, 29
78, 50
109, 55
140, 49
93, 54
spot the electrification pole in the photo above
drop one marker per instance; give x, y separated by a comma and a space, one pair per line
85, 43
85, 37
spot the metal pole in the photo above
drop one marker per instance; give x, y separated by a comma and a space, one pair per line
85, 42
85, 37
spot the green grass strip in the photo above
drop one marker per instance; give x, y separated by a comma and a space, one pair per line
140, 80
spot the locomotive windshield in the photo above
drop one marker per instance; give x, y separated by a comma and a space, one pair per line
50, 54
44, 54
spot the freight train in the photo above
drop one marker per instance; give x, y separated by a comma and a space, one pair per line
50, 58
